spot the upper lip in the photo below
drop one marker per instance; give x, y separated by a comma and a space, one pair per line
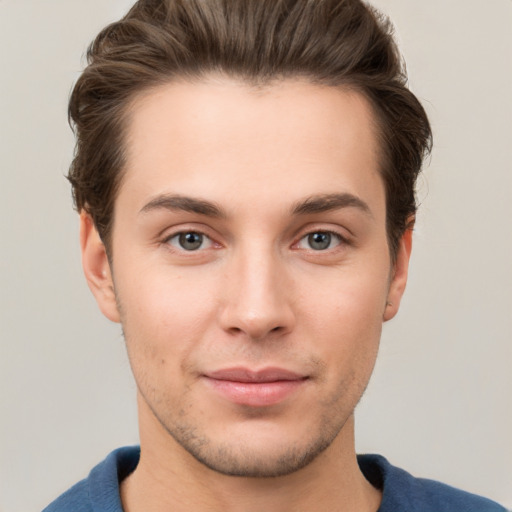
240, 374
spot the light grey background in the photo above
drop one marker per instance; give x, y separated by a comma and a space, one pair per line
440, 402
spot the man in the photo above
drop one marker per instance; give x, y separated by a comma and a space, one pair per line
245, 176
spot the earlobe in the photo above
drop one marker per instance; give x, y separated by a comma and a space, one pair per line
97, 268
399, 277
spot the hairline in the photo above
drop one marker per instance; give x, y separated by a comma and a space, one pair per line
258, 84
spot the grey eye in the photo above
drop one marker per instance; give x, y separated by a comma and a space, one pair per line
319, 241
189, 241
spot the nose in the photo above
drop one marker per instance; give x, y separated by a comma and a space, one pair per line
259, 296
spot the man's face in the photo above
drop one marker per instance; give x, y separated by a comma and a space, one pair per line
251, 268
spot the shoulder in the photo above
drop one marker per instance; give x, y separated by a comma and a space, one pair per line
77, 499
100, 490
403, 492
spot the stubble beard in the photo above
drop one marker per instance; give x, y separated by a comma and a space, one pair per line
247, 461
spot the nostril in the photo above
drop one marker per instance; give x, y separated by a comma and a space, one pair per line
256, 334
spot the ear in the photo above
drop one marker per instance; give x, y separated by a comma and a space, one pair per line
399, 275
97, 268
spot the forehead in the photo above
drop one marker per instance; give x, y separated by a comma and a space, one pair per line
227, 140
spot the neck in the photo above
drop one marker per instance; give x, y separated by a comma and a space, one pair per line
169, 478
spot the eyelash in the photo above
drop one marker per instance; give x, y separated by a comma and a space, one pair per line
332, 236
179, 238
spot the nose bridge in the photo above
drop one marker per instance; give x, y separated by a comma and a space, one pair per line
258, 301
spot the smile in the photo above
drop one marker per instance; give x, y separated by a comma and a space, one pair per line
255, 388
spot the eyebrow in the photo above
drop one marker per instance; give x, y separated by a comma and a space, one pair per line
311, 205
183, 203
326, 202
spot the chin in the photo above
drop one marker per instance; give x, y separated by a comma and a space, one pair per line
263, 450
256, 462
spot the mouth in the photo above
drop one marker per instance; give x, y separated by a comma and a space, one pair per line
260, 388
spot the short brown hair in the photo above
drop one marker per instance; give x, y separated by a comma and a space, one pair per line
332, 42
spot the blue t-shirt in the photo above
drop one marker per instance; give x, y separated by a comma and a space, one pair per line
401, 492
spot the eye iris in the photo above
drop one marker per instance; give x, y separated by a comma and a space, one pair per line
190, 241
319, 241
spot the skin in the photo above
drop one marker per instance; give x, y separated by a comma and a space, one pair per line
261, 170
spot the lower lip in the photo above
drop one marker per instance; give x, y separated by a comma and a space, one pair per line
256, 394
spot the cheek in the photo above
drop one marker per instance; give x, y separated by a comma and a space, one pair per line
165, 314
345, 317
350, 300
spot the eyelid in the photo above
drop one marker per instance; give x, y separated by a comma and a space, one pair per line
170, 233
206, 242
336, 236
342, 234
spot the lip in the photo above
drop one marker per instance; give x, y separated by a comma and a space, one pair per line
260, 388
